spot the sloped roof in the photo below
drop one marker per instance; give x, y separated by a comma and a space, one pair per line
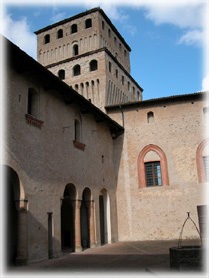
162, 100
23, 63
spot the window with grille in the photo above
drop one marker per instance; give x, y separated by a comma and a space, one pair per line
206, 167
153, 173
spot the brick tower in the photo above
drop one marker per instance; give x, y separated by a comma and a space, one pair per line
88, 53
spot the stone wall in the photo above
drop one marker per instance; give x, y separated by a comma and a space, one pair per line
154, 213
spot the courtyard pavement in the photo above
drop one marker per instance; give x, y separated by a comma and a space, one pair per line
140, 259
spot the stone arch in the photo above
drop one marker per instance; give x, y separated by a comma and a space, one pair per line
163, 163
16, 218
68, 218
85, 218
200, 154
104, 213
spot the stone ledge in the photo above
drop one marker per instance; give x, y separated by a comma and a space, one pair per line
79, 145
33, 121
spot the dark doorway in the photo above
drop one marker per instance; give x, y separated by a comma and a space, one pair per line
12, 193
67, 219
102, 224
85, 220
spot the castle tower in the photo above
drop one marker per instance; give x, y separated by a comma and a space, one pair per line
88, 53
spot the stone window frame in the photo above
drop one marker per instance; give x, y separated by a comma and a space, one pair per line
141, 165
199, 160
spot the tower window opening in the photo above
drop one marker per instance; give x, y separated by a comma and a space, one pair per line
88, 23
74, 28
47, 39
60, 33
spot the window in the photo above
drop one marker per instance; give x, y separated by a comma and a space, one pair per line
75, 50
103, 24
77, 131
116, 73
128, 85
74, 28
202, 159
110, 67
76, 70
61, 74
153, 173
150, 117
88, 23
109, 33
60, 33
33, 102
125, 52
93, 65
206, 167
46, 38
122, 80
152, 167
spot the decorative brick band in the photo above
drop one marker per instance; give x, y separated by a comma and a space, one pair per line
79, 145
33, 121
163, 164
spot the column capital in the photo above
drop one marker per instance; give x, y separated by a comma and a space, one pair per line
21, 205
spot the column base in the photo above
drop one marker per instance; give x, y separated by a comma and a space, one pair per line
78, 249
21, 261
93, 245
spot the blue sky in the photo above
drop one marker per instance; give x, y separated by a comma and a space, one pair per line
167, 40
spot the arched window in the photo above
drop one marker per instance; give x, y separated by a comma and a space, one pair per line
93, 65
61, 74
76, 70
46, 38
33, 102
60, 33
74, 28
150, 117
202, 158
88, 23
152, 167
75, 50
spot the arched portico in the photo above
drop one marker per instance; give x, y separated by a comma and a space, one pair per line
16, 218
68, 218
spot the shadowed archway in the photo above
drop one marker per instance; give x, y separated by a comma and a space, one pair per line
68, 218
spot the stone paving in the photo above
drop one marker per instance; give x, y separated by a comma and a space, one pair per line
141, 258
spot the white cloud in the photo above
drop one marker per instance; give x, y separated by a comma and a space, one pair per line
193, 37
18, 31
205, 83
181, 14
